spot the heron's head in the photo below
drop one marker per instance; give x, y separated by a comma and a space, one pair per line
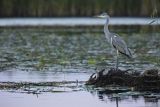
103, 15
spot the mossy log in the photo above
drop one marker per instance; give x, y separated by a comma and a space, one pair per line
148, 80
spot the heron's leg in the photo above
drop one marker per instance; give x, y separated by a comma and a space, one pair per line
112, 51
117, 60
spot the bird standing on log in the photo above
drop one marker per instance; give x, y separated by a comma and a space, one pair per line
115, 40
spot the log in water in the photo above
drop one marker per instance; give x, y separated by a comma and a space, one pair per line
149, 80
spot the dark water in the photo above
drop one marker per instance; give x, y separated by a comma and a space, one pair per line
71, 54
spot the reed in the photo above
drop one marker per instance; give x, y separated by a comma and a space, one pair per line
65, 8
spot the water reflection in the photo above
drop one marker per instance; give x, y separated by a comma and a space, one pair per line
69, 94
15, 75
127, 98
75, 98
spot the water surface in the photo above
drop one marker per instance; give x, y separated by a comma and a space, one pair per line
76, 99
90, 21
71, 54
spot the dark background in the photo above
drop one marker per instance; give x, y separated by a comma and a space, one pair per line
78, 8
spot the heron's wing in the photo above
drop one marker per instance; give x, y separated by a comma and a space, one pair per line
120, 45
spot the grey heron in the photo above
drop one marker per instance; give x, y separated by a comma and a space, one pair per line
115, 40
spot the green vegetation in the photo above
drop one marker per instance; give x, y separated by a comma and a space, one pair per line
37, 49
52, 8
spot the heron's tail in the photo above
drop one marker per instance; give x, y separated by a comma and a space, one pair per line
129, 54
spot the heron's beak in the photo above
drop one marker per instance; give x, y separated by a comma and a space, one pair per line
99, 16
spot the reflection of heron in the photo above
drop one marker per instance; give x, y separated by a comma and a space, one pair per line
115, 40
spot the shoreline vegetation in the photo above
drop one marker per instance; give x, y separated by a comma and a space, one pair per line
78, 8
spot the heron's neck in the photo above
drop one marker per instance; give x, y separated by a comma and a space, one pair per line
106, 30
